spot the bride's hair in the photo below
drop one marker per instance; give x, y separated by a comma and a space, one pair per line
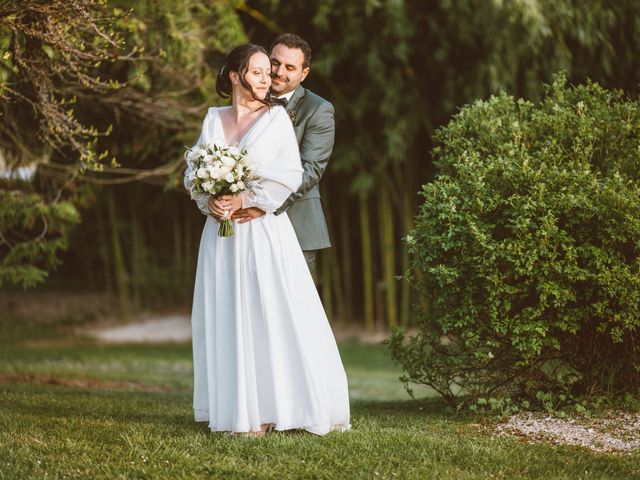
238, 61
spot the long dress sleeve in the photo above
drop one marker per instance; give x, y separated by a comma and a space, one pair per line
266, 195
201, 199
269, 194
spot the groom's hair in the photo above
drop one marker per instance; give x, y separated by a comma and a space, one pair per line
292, 40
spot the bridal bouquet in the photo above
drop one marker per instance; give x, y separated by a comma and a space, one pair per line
218, 170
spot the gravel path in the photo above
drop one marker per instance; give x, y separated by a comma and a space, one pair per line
177, 328
174, 328
615, 432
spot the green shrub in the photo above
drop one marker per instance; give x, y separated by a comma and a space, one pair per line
526, 249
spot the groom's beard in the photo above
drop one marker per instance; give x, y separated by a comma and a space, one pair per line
281, 87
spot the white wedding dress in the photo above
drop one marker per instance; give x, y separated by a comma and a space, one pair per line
263, 350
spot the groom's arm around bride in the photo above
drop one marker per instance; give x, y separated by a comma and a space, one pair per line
314, 125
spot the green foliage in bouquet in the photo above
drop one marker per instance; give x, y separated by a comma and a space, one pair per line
527, 249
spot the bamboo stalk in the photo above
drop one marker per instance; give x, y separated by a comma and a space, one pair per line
387, 248
405, 287
137, 262
336, 283
367, 262
120, 269
104, 249
189, 251
335, 277
178, 259
344, 258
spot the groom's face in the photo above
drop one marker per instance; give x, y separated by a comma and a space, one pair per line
287, 69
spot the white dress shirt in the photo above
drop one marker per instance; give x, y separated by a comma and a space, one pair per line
287, 95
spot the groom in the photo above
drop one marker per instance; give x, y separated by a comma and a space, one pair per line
313, 122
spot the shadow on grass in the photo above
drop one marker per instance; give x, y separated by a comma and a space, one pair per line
94, 404
174, 408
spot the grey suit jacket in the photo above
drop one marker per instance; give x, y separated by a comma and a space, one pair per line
314, 125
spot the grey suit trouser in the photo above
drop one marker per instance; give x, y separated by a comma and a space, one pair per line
310, 257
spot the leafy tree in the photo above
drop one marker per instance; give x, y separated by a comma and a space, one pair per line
127, 78
49, 56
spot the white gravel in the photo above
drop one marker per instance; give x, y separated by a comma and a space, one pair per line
176, 328
615, 432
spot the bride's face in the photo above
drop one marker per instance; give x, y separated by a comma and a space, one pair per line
258, 75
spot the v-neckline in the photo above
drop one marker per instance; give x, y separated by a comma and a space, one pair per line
251, 127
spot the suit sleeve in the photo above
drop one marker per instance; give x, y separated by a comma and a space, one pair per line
315, 150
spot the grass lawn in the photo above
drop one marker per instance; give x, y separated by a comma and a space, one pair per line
130, 417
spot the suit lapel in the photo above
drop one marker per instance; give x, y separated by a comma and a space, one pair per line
296, 98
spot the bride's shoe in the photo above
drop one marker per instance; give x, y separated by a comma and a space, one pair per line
264, 429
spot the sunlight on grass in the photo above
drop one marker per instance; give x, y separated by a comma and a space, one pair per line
64, 432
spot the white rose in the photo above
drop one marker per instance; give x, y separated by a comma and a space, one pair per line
224, 171
240, 185
239, 170
202, 172
200, 151
233, 150
233, 188
207, 186
208, 159
229, 178
214, 173
228, 161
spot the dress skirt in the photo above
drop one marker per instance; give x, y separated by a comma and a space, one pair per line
263, 349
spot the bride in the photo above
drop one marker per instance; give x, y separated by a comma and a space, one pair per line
263, 351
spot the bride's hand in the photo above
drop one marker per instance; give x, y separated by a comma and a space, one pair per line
224, 206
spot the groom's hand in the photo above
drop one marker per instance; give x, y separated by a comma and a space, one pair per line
245, 215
